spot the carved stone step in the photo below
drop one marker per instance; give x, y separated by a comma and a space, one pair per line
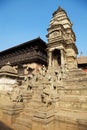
73, 114
76, 72
23, 122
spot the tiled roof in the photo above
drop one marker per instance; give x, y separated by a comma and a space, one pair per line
82, 60
37, 40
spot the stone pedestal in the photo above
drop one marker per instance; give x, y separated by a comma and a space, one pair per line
50, 58
11, 112
43, 119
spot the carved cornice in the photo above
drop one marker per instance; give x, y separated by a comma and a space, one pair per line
55, 27
57, 44
25, 57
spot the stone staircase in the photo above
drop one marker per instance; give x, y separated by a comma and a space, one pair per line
71, 100
73, 97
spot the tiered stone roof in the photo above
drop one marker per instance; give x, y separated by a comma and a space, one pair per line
8, 69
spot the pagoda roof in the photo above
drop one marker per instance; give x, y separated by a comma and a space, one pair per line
37, 41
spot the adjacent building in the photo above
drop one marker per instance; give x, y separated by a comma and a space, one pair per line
26, 57
82, 62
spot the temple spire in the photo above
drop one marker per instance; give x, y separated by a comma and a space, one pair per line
58, 10
61, 40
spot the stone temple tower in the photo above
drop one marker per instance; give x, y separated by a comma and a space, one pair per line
61, 41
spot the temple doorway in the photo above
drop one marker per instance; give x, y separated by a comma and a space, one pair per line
56, 58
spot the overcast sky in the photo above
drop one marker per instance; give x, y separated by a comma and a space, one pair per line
24, 20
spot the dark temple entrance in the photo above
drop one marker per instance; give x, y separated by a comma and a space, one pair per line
56, 58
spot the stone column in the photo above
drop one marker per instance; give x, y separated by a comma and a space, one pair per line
43, 120
49, 58
62, 57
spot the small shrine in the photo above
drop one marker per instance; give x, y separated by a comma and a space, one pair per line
8, 77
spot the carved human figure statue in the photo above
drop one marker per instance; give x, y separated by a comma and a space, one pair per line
16, 94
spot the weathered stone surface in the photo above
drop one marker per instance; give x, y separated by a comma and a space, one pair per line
55, 98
